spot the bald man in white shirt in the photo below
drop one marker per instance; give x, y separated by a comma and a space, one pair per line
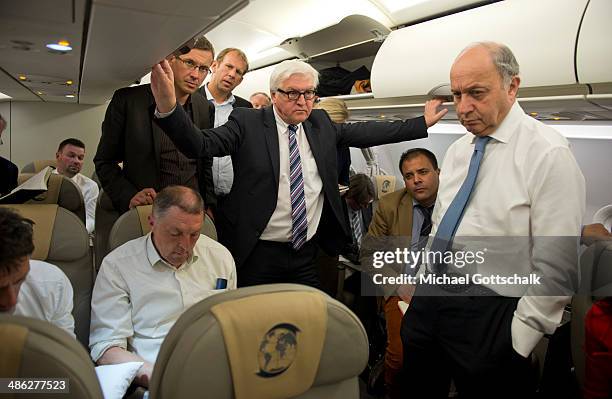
521, 183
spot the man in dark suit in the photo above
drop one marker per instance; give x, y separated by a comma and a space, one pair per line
150, 159
227, 73
285, 194
8, 170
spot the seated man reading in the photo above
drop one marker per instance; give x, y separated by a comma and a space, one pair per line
146, 284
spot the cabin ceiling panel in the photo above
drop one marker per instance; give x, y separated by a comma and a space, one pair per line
26, 27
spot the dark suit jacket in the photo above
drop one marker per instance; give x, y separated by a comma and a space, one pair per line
8, 176
251, 137
129, 135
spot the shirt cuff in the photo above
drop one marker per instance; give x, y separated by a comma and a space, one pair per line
524, 337
161, 115
98, 349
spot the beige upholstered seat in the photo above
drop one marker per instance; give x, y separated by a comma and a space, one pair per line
134, 223
62, 191
34, 348
595, 283
37, 166
60, 238
195, 358
106, 216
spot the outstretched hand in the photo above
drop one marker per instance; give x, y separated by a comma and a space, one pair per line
162, 86
432, 115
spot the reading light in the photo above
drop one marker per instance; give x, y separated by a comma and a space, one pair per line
62, 45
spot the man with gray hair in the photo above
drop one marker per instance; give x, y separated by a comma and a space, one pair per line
285, 193
147, 283
260, 100
510, 176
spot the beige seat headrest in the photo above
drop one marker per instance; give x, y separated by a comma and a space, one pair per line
44, 218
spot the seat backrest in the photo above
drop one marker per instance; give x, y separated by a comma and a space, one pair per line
595, 283
198, 352
106, 216
61, 239
134, 223
60, 190
37, 166
38, 349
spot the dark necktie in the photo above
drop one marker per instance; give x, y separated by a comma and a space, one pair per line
426, 226
299, 223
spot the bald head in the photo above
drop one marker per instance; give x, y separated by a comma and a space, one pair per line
484, 81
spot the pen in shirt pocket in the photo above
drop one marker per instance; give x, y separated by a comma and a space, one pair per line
221, 284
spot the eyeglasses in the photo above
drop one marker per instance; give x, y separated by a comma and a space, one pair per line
203, 69
293, 95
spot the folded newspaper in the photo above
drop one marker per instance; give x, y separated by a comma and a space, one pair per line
29, 189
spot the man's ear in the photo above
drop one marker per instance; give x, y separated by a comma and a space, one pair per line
213, 66
151, 220
514, 86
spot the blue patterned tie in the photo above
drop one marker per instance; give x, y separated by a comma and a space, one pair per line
299, 223
454, 213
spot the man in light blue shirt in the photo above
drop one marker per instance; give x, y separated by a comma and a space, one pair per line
228, 70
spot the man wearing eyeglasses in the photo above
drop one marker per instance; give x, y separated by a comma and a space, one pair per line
150, 159
227, 73
285, 196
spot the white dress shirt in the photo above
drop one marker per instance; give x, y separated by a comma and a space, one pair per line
138, 297
280, 223
46, 294
90, 192
222, 169
529, 185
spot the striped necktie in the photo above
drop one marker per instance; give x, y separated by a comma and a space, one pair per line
448, 226
356, 226
299, 223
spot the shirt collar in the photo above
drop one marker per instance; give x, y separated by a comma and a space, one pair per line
281, 124
75, 177
230, 100
155, 258
507, 128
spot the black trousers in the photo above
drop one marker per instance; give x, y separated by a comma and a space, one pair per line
467, 339
277, 262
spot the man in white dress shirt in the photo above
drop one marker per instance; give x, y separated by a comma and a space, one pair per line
528, 188
31, 288
69, 162
146, 284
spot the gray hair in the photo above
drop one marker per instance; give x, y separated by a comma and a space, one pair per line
291, 67
186, 199
506, 64
261, 93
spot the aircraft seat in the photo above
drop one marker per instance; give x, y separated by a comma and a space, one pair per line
62, 191
595, 283
106, 216
272, 341
61, 239
135, 223
37, 349
38, 165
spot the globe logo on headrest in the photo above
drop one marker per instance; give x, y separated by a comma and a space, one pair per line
277, 350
